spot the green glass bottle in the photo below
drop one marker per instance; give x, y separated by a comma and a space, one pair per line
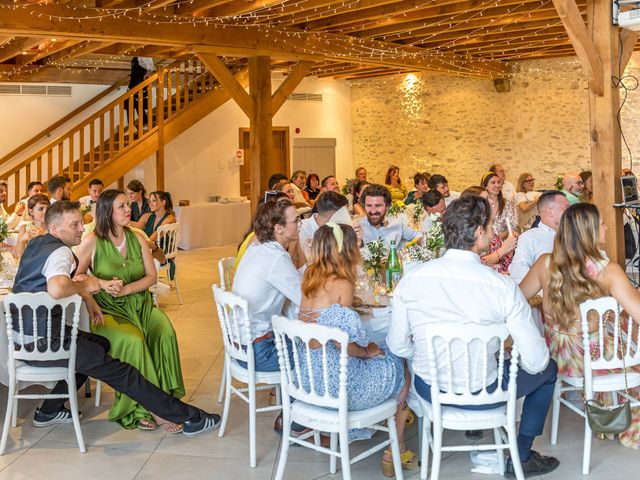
394, 268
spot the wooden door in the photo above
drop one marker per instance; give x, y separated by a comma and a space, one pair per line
315, 155
279, 162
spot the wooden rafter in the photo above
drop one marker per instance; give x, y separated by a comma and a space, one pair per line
237, 40
581, 41
288, 86
228, 82
629, 40
238, 8
17, 47
197, 7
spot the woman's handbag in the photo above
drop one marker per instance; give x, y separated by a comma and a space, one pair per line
605, 419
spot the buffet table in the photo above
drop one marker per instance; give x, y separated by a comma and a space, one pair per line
207, 224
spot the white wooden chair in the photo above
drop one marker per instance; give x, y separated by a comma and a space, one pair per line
324, 412
627, 354
225, 269
444, 396
168, 239
233, 313
21, 348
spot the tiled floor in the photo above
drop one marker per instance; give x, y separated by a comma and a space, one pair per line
113, 453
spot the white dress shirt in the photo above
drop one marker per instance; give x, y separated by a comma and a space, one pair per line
458, 288
308, 229
392, 229
508, 191
532, 244
265, 278
452, 196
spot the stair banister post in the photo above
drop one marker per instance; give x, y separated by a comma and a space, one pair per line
160, 121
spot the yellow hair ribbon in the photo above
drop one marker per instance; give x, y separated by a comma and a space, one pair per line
337, 233
484, 177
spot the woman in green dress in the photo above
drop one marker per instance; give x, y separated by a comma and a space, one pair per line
140, 334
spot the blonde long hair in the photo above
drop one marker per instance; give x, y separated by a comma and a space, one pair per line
329, 261
575, 244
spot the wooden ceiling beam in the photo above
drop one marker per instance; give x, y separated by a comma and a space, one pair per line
239, 8
5, 39
228, 82
488, 50
75, 51
472, 48
402, 12
240, 41
288, 12
46, 48
311, 12
18, 46
196, 8
570, 15
373, 75
460, 23
629, 41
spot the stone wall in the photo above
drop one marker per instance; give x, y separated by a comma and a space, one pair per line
460, 126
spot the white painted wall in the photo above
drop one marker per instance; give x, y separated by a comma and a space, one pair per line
199, 163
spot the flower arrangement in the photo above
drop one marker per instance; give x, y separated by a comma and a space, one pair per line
415, 213
415, 252
374, 255
4, 230
84, 209
395, 209
434, 236
348, 186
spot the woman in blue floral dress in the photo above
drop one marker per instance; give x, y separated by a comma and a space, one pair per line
374, 374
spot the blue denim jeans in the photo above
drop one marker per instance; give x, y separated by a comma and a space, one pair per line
537, 390
265, 355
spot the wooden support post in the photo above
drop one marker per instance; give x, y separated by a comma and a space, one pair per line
260, 136
160, 122
121, 183
606, 157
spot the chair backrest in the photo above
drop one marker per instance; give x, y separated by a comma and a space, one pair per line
462, 358
48, 318
233, 313
225, 268
292, 341
617, 341
168, 239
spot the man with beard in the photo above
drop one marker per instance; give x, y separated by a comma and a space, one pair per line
59, 188
377, 199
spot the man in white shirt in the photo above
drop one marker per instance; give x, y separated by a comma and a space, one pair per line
535, 242
266, 277
95, 190
376, 200
12, 220
327, 204
439, 182
59, 188
508, 190
458, 289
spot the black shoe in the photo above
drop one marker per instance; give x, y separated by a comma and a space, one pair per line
474, 435
206, 422
536, 465
41, 419
296, 429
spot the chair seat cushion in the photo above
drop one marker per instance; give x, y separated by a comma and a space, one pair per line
606, 383
240, 373
454, 418
327, 420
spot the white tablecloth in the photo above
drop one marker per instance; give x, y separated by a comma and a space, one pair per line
4, 352
205, 224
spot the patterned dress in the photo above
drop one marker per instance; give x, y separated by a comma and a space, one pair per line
565, 347
370, 382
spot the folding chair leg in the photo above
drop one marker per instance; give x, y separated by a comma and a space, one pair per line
14, 416
175, 280
222, 381
345, 461
424, 448
395, 448
252, 425
334, 447
73, 406
500, 451
284, 444
437, 452
586, 455
7, 418
227, 401
555, 413
513, 450
98, 392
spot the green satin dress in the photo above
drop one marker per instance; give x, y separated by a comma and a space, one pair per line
140, 334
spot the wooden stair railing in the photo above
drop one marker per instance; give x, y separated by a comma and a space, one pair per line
58, 123
104, 136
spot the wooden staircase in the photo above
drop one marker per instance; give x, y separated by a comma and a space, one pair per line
102, 146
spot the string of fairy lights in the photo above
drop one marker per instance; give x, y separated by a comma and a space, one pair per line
473, 61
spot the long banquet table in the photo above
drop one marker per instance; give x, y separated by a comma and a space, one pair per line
207, 224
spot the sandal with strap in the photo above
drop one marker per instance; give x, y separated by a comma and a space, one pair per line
408, 459
147, 425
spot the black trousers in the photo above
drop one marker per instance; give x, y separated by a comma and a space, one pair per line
93, 361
